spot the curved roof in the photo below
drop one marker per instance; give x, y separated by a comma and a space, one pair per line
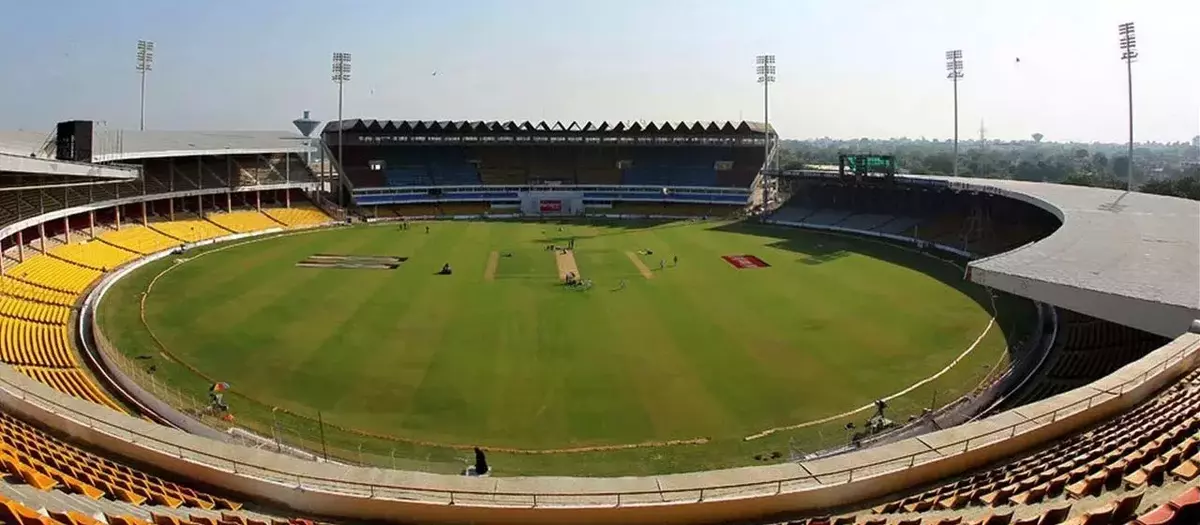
1129, 258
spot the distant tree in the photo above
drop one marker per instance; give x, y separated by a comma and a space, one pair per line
1037, 137
1099, 162
940, 163
1079, 179
1186, 187
1084, 179
1120, 166
1081, 153
1196, 141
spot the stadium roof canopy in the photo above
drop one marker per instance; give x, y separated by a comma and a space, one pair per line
493, 126
115, 145
1130, 258
109, 145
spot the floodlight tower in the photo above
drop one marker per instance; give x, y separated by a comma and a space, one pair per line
1128, 54
145, 63
341, 75
766, 75
954, 64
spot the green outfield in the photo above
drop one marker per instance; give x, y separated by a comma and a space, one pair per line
408, 364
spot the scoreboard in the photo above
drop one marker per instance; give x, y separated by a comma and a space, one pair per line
867, 166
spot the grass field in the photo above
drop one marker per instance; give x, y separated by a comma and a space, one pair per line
500, 354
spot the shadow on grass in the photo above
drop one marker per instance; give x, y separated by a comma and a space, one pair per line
1014, 316
616, 227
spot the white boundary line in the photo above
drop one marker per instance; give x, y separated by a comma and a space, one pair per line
918, 384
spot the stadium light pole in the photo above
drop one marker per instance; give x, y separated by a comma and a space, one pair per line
954, 64
145, 63
341, 75
1128, 54
765, 67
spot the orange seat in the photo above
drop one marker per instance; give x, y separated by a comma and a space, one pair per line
1162, 515
36, 479
82, 488
1186, 471
124, 520
1100, 516
160, 519
1055, 515
231, 518
127, 496
1125, 508
164, 499
201, 520
74, 517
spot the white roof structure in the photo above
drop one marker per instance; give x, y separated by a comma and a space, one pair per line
1129, 258
21, 142
116, 145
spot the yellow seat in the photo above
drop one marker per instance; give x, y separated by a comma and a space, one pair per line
298, 217
243, 221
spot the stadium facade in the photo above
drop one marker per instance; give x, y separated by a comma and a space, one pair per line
389, 162
1116, 275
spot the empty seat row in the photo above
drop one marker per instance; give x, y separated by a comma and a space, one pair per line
20, 307
189, 229
72, 381
54, 274
94, 254
48, 463
298, 216
34, 343
1144, 446
140, 239
243, 221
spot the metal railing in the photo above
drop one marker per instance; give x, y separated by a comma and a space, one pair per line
111, 425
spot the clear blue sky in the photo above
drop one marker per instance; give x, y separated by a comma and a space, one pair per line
847, 68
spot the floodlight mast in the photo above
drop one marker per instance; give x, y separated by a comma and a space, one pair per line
954, 64
341, 75
765, 67
1129, 54
145, 63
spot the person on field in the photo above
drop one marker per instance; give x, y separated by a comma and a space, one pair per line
662, 264
621, 285
675, 260
426, 229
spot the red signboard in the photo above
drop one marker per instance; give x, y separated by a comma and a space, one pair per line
550, 206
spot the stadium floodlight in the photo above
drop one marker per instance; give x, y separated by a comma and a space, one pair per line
954, 65
341, 75
765, 67
145, 63
1129, 54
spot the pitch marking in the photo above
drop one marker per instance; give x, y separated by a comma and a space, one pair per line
566, 264
489, 274
633, 258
